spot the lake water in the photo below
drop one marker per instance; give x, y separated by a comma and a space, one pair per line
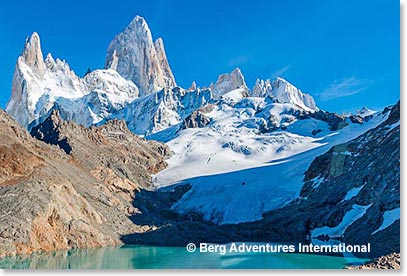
153, 257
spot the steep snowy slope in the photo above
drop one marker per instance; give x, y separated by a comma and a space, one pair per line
240, 166
109, 92
240, 136
365, 112
284, 92
161, 110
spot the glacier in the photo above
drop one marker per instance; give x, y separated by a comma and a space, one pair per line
236, 171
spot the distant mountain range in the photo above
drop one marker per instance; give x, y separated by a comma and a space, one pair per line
235, 157
136, 68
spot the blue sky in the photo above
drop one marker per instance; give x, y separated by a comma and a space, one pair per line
344, 52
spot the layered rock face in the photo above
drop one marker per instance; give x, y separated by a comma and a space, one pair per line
50, 200
32, 55
136, 57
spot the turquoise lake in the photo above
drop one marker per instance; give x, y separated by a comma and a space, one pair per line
153, 257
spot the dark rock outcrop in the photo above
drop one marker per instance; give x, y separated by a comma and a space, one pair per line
356, 119
111, 145
335, 121
49, 132
195, 120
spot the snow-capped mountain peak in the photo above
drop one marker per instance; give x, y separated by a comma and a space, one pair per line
284, 92
32, 54
49, 61
136, 57
364, 112
36, 83
261, 88
193, 86
140, 25
228, 82
40, 85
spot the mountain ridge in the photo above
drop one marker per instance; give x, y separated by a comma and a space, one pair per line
40, 85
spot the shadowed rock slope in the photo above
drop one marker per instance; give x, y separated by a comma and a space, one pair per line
109, 147
362, 172
53, 200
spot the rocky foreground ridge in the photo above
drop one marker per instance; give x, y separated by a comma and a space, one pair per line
74, 192
391, 261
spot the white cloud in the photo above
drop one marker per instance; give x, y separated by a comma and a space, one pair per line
279, 72
238, 61
346, 87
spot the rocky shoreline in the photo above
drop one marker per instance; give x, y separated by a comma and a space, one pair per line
391, 261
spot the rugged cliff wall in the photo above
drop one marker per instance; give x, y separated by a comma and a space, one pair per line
77, 192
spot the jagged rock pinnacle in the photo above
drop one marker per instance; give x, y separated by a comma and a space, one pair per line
228, 82
32, 54
136, 57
